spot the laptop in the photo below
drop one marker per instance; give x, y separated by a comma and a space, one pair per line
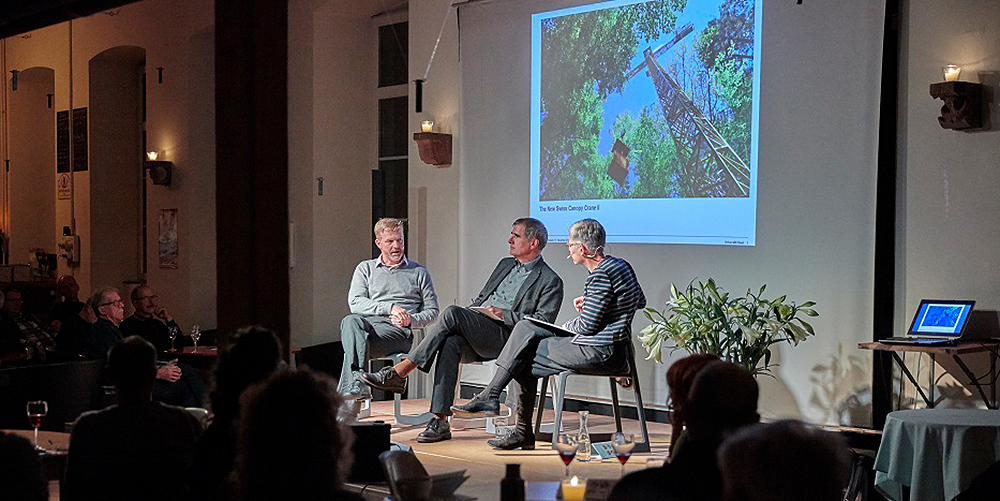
937, 322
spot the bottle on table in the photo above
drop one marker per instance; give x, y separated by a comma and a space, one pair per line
512, 485
583, 439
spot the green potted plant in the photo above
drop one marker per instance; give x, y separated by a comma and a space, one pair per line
741, 329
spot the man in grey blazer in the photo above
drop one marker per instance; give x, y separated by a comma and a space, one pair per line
521, 286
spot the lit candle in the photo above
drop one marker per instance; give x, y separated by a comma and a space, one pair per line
151, 156
574, 489
951, 73
426, 125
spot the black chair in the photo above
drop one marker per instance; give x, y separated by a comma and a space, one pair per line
70, 388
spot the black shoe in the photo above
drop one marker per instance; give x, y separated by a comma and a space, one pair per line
436, 431
513, 441
478, 407
386, 379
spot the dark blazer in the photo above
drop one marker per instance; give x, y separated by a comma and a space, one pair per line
540, 296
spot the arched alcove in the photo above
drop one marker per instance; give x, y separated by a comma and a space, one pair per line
31, 180
116, 172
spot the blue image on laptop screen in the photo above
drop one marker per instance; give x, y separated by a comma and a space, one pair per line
941, 318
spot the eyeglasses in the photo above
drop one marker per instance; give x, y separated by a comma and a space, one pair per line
569, 245
118, 302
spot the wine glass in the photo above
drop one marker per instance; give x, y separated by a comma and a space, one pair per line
195, 334
623, 444
566, 444
37, 409
172, 332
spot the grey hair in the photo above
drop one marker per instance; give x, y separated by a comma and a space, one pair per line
534, 230
590, 233
99, 297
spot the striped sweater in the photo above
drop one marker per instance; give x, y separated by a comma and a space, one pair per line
611, 295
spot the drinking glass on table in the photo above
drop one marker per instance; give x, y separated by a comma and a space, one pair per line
566, 444
623, 444
172, 332
37, 409
195, 334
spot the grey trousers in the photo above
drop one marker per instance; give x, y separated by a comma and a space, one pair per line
365, 337
534, 351
459, 335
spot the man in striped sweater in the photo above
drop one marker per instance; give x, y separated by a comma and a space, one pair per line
595, 341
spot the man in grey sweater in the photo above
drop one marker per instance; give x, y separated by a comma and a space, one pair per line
389, 295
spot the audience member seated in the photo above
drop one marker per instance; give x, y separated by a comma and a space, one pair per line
150, 321
68, 304
290, 443
176, 385
252, 355
520, 286
596, 342
723, 399
136, 449
33, 336
21, 476
73, 331
784, 461
680, 375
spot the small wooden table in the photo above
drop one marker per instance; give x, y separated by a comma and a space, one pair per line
56, 445
954, 351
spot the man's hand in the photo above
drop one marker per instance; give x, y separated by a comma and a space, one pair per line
163, 315
496, 311
399, 316
169, 372
578, 303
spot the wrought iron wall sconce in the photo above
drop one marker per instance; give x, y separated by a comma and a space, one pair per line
159, 170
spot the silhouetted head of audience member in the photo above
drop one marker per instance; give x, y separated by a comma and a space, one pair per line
21, 475
757, 461
132, 369
67, 288
680, 376
250, 357
723, 398
290, 444
13, 301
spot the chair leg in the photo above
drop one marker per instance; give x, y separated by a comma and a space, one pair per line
615, 405
558, 395
540, 410
397, 412
644, 445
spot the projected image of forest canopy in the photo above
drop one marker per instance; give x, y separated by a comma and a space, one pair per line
647, 100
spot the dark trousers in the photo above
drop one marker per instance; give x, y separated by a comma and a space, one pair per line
534, 351
459, 335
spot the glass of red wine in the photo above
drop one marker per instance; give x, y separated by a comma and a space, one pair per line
623, 444
37, 409
566, 444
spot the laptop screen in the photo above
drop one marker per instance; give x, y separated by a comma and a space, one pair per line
944, 318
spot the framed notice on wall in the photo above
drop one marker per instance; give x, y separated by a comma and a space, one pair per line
79, 140
168, 239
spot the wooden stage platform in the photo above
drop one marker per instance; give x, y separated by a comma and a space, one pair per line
467, 450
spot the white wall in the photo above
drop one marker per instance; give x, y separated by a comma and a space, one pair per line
331, 124
948, 200
32, 177
165, 30
820, 66
434, 191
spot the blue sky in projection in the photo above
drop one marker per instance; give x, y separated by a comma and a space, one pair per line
639, 90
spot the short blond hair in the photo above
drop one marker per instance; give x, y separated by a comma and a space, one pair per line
387, 224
